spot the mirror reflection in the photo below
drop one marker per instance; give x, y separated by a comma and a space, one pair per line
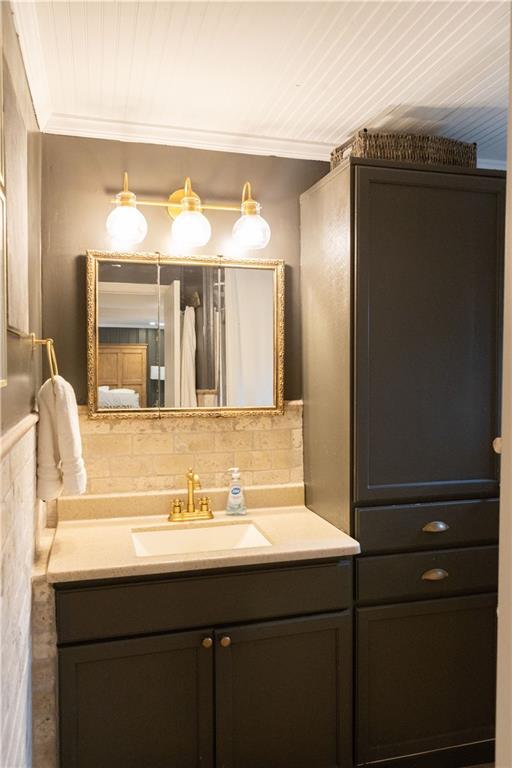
216, 337
127, 335
178, 335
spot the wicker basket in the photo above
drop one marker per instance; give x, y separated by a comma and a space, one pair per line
407, 147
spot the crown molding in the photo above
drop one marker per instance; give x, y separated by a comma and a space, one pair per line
26, 24
145, 133
194, 138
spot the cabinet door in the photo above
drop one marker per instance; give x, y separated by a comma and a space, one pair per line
283, 692
425, 676
429, 250
108, 367
142, 702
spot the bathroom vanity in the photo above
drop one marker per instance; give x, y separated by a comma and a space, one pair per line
230, 658
288, 652
241, 668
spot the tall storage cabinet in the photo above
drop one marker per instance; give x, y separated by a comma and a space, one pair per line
401, 274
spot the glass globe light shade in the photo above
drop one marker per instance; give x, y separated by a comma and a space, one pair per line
127, 225
251, 231
191, 229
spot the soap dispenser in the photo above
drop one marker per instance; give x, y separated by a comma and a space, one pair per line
236, 501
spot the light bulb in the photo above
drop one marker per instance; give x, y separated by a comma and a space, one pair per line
251, 231
126, 225
191, 229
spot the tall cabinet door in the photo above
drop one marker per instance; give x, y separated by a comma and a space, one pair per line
283, 694
141, 702
428, 262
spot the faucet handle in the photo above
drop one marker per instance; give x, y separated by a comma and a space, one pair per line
177, 510
193, 478
205, 504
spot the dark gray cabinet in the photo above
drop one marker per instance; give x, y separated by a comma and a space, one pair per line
267, 693
138, 702
428, 263
401, 287
438, 573
283, 694
426, 676
425, 526
401, 298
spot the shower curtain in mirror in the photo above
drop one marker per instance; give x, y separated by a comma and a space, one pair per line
249, 307
188, 360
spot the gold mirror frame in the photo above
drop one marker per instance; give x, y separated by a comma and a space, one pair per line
95, 257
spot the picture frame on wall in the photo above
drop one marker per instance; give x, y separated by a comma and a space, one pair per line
3, 294
2, 123
16, 227
2, 127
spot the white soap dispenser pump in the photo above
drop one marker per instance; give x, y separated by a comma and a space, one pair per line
236, 501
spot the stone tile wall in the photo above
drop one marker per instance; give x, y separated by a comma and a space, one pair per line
44, 662
154, 454
18, 525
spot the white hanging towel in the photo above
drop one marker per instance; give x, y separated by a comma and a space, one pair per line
188, 360
60, 467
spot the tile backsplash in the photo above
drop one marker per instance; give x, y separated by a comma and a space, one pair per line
154, 454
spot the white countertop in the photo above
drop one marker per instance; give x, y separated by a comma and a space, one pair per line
103, 548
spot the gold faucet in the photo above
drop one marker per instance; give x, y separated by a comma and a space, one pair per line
203, 512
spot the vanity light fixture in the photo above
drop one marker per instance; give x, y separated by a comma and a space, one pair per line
125, 224
190, 228
251, 230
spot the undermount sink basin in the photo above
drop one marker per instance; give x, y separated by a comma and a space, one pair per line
203, 537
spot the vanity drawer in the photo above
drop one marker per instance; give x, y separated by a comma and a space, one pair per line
427, 526
427, 574
187, 601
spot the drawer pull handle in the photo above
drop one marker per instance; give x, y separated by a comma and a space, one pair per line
225, 641
436, 526
435, 574
207, 642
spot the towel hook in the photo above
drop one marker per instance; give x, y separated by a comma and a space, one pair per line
50, 351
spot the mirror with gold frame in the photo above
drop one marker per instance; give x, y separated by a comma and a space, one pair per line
195, 335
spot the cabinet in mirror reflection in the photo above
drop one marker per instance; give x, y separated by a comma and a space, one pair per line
184, 335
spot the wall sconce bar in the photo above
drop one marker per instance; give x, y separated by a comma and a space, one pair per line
205, 206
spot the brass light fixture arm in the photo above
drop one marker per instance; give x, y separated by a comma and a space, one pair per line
205, 206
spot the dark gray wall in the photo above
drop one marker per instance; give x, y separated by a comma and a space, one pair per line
23, 365
81, 175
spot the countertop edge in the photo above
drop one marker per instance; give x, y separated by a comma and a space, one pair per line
162, 568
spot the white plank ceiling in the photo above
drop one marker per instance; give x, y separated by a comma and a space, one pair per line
285, 78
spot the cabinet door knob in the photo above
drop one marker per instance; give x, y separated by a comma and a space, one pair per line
207, 642
225, 641
497, 444
435, 574
436, 526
